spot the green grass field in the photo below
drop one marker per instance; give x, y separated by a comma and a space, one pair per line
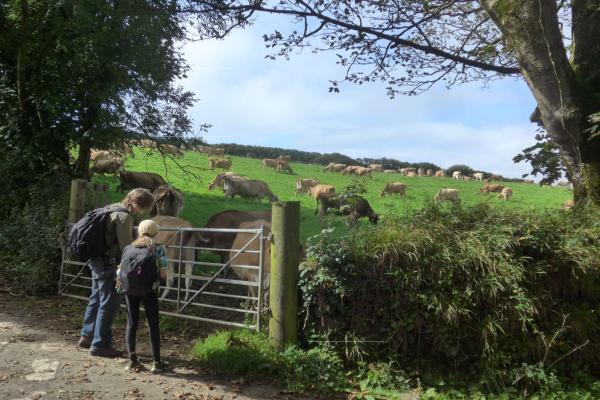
200, 203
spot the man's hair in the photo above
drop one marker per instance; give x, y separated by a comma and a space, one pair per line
141, 197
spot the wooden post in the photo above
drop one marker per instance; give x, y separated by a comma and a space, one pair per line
285, 256
77, 200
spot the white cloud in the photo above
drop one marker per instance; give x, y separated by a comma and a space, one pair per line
250, 100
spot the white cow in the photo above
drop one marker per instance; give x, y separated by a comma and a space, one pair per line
456, 175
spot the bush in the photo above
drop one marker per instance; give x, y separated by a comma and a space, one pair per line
476, 291
29, 239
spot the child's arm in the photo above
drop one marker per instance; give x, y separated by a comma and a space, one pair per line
161, 261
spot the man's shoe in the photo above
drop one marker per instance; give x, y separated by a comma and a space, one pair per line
85, 342
106, 352
134, 366
160, 366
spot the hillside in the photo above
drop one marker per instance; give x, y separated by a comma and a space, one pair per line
200, 203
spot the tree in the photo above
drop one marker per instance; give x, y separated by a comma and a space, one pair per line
85, 73
414, 44
544, 159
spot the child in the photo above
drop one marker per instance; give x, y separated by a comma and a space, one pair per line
142, 263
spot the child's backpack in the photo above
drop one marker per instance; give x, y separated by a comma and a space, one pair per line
86, 238
138, 270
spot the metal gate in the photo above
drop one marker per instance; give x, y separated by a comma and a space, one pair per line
216, 297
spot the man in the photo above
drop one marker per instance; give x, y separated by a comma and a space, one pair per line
104, 300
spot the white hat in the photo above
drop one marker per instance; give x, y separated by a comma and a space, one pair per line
148, 228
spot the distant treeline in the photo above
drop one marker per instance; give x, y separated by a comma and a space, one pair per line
312, 157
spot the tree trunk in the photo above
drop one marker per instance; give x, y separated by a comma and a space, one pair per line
82, 166
532, 31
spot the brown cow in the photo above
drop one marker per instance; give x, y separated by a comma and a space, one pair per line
317, 190
218, 180
111, 166
394, 187
252, 259
167, 201
146, 180
356, 206
250, 188
229, 219
284, 166
269, 163
219, 163
333, 167
304, 185
490, 187
216, 151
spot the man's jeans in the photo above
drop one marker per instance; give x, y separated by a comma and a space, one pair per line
103, 305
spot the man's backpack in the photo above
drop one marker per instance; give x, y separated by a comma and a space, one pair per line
138, 271
86, 239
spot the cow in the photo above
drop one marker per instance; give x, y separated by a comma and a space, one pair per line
167, 201
440, 173
411, 174
218, 180
146, 180
216, 151
420, 171
219, 163
350, 169
528, 181
252, 259
148, 144
333, 167
229, 219
496, 177
111, 166
478, 176
505, 194
394, 187
250, 188
402, 171
356, 206
376, 167
97, 155
304, 185
170, 149
269, 163
489, 187
390, 171
466, 178
429, 172
284, 166
411, 169
457, 175
567, 205
362, 171
317, 190
171, 241
447, 194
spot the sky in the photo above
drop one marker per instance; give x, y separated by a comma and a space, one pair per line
251, 100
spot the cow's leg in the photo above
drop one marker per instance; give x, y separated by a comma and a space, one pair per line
170, 280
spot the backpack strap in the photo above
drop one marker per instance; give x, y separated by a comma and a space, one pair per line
116, 208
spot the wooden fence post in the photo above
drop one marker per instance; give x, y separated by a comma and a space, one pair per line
285, 256
77, 200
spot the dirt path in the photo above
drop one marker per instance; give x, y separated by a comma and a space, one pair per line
39, 360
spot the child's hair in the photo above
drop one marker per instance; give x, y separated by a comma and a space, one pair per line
142, 197
147, 229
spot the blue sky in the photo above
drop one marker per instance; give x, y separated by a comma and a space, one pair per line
251, 100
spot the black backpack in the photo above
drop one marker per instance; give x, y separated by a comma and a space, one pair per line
138, 271
86, 239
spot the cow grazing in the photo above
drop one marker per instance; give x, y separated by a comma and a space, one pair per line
429, 172
490, 187
171, 241
356, 206
219, 163
447, 194
170, 149
110, 166
505, 194
390, 171
284, 166
146, 180
457, 175
218, 180
304, 185
376, 167
478, 176
420, 172
253, 259
350, 169
411, 174
97, 155
362, 171
319, 189
229, 219
333, 167
269, 162
440, 173
167, 201
249, 188
394, 188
